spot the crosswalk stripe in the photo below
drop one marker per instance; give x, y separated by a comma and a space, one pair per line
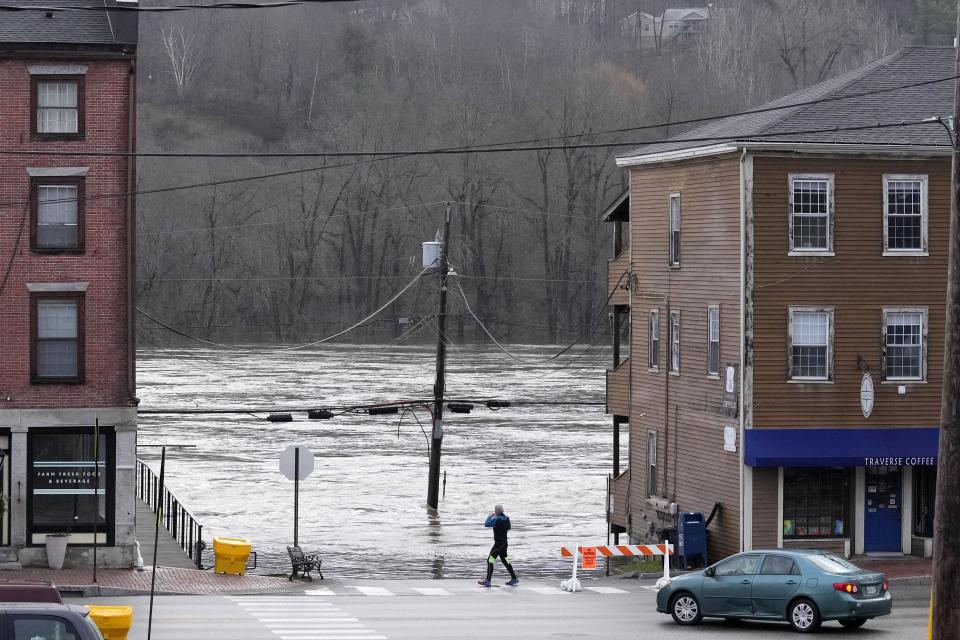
319, 592
547, 590
606, 590
336, 637
333, 627
432, 591
373, 591
333, 616
282, 603
325, 620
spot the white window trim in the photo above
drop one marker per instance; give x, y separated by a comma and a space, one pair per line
654, 313
924, 214
711, 374
671, 334
923, 345
830, 334
831, 215
674, 264
656, 466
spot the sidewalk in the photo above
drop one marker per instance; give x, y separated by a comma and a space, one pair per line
170, 580
897, 568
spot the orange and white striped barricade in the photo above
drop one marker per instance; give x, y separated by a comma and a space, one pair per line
608, 550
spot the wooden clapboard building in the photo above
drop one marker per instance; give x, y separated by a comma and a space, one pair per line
784, 286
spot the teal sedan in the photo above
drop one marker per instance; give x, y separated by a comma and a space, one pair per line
804, 588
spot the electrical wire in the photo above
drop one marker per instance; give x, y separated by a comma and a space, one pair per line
293, 347
123, 8
16, 247
290, 220
374, 157
404, 153
344, 409
483, 326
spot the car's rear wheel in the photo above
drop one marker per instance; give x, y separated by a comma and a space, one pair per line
804, 616
685, 609
853, 623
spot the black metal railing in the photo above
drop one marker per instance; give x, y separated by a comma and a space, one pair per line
173, 516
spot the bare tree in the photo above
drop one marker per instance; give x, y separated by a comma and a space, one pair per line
184, 50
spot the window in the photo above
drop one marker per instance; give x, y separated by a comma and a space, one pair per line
815, 502
43, 628
830, 563
675, 342
924, 489
64, 492
713, 340
651, 463
904, 214
810, 356
811, 214
57, 330
904, 344
779, 566
57, 214
653, 341
57, 106
738, 566
674, 229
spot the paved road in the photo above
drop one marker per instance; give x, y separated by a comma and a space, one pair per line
460, 610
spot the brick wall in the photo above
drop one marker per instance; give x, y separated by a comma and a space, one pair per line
102, 265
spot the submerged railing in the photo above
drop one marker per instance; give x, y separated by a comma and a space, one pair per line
173, 516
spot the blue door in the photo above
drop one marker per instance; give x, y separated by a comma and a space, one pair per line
882, 503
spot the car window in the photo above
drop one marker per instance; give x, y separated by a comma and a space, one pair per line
779, 566
829, 563
94, 629
43, 628
738, 566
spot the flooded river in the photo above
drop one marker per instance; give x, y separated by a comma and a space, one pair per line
363, 508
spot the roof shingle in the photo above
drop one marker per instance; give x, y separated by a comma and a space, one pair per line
70, 27
907, 66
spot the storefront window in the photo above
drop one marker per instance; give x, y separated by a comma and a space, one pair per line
68, 492
815, 502
924, 489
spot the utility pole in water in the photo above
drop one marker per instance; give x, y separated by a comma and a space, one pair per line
433, 479
945, 623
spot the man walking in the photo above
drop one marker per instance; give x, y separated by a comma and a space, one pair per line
500, 524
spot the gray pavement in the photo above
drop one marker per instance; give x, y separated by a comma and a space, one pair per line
461, 610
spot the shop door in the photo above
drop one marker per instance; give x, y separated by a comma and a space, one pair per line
881, 523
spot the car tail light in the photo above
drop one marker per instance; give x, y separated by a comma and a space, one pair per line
846, 587
886, 584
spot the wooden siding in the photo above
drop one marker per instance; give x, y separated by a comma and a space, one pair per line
693, 470
833, 545
858, 282
618, 389
617, 281
619, 495
765, 507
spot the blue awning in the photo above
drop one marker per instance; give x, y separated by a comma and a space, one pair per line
841, 447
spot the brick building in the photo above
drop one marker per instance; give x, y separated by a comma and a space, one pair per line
66, 282
786, 284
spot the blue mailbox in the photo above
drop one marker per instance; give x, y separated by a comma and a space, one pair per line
691, 538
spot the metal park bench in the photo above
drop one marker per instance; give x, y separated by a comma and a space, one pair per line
303, 564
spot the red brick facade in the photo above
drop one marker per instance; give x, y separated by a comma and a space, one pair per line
104, 261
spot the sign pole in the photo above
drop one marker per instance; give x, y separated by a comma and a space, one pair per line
296, 495
156, 539
96, 491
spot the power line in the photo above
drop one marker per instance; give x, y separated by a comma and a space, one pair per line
460, 150
289, 220
353, 407
379, 156
293, 347
218, 6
